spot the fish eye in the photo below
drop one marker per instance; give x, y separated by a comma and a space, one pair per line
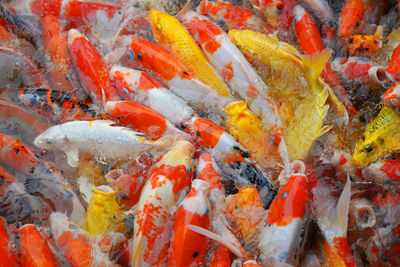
130, 55
279, 7
139, 56
357, 24
368, 148
158, 26
49, 141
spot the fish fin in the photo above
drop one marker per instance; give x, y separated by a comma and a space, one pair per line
136, 251
238, 251
379, 31
113, 124
289, 48
393, 39
340, 220
316, 62
337, 105
72, 156
23, 26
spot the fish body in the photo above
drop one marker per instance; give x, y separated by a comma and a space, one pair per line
392, 96
103, 213
379, 138
140, 118
285, 67
179, 78
394, 63
171, 34
322, 10
10, 110
56, 46
168, 183
230, 16
222, 257
35, 250
351, 17
286, 222
98, 138
7, 248
364, 44
41, 177
57, 105
189, 248
91, 67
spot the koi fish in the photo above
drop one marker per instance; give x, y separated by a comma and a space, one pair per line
222, 257
56, 46
283, 235
229, 16
333, 221
8, 251
171, 34
392, 96
57, 105
310, 42
365, 44
103, 213
41, 178
35, 251
351, 17
9, 39
188, 248
95, 79
112, 142
394, 63
168, 183
286, 69
379, 138
9, 110
231, 154
233, 67
171, 71
277, 12
129, 181
141, 119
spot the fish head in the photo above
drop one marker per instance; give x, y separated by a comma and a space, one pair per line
272, 9
164, 26
51, 139
364, 44
367, 150
247, 196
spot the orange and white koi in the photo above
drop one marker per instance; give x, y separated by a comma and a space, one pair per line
333, 221
15, 64
35, 250
229, 16
8, 252
283, 235
56, 46
189, 248
172, 35
180, 79
392, 96
42, 178
351, 17
310, 42
91, 68
360, 70
168, 183
141, 119
98, 138
10, 110
129, 181
234, 158
394, 64
57, 105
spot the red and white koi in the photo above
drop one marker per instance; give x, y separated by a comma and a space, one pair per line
284, 234
394, 64
168, 183
98, 138
229, 16
178, 77
189, 248
91, 68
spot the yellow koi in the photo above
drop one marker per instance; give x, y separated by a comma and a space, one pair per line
381, 136
173, 36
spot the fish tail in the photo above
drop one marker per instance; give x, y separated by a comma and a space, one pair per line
135, 260
316, 62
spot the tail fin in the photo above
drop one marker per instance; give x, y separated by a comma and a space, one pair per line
316, 62
23, 26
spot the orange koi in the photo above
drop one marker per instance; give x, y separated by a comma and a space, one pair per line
168, 182
130, 181
189, 248
230, 16
310, 42
394, 64
35, 251
8, 253
56, 46
10, 110
222, 257
91, 68
57, 105
352, 17
141, 118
